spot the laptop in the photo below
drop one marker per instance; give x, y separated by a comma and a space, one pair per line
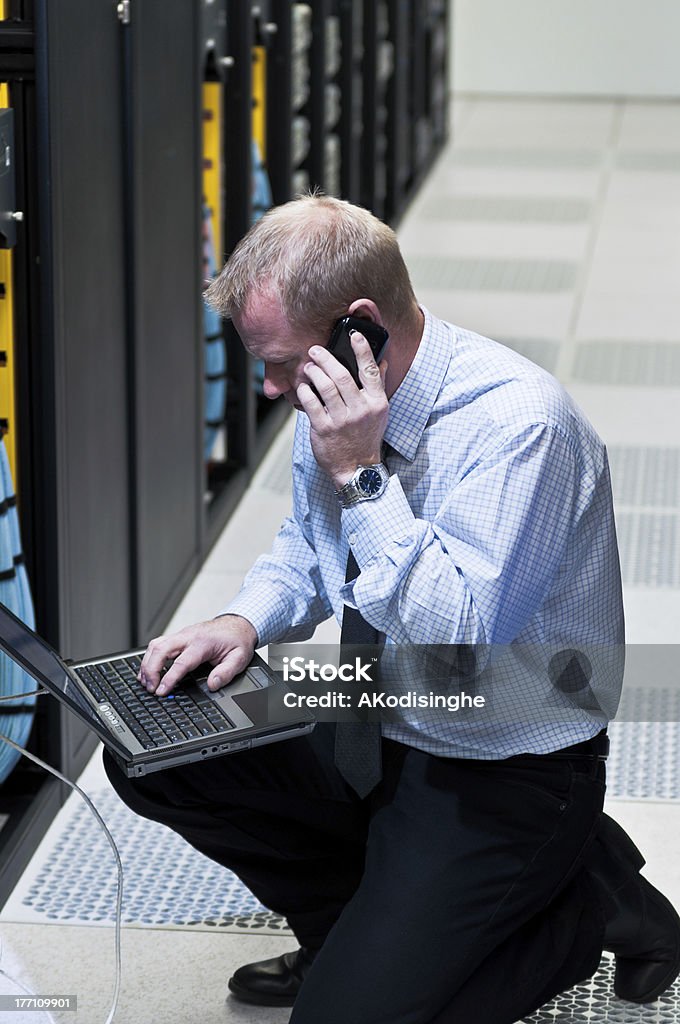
146, 733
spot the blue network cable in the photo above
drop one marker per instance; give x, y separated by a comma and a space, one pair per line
16, 717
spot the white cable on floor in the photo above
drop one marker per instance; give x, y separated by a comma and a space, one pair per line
119, 864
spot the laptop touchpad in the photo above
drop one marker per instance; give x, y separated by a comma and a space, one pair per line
266, 706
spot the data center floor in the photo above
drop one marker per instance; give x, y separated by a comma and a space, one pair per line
554, 227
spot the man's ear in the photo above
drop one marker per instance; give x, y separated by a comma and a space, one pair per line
367, 310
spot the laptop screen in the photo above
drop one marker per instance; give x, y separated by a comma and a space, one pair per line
40, 661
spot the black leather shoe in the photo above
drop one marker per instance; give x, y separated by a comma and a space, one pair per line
274, 982
642, 928
646, 943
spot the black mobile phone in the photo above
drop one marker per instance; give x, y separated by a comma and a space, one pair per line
341, 347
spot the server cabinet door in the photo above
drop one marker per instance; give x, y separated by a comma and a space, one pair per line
165, 209
78, 362
82, 357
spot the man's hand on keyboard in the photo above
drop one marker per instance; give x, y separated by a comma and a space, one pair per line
227, 642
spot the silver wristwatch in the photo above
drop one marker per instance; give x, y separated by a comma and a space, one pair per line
367, 483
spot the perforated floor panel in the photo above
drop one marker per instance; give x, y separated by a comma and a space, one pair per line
531, 209
649, 546
628, 363
439, 272
278, 477
668, 161
645, 476
644, 758
542, 351
555, 159
595, 1003
167, 883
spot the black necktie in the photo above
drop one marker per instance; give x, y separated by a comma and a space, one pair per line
358, 755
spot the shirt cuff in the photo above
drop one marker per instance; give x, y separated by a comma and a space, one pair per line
261, 608
370, 526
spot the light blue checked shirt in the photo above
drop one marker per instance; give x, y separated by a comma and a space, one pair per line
496, 529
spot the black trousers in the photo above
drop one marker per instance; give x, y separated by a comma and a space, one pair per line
458, 891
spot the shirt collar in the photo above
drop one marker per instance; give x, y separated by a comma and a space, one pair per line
413, 401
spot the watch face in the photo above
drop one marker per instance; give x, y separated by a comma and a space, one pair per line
369, 482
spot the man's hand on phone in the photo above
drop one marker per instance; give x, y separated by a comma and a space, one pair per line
227, 642
348, 428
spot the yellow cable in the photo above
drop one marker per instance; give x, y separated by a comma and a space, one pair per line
260, 100
212, 161
7, 401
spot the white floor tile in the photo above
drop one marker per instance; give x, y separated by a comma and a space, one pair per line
655, 829
650, 126
497, 240
449, 178
639, 279
250, 532
642, 191
652, 236
503, 314
615, 312
629, 415
551, 124
209, 593
94, 776
459, 112
647, 251
652, 616
643, 209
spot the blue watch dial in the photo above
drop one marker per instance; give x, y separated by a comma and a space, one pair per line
369, 482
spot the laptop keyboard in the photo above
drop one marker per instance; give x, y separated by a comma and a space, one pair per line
155, 721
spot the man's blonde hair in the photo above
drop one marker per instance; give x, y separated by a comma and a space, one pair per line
317, 254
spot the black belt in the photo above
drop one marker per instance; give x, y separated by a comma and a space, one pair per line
595, 749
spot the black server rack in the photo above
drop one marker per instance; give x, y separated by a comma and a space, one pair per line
378, 70
350, 82
250, 421
303, 121
399, 158
70, 315
280, 107
331, 93
429, 112
119, 499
